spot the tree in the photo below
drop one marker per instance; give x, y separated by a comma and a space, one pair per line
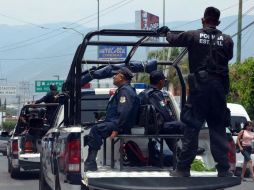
242, 84
171, 54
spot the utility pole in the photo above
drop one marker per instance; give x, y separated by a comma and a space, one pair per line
239, 36
98, 37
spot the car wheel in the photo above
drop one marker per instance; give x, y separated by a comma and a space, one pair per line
57, 183
9, 166
43, 185
14, 172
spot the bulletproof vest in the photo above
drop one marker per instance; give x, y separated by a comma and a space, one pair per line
149, 118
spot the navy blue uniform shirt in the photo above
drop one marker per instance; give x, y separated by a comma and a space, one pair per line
123, 108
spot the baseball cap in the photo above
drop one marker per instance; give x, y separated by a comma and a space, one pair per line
156, 76
212, 13
125, 71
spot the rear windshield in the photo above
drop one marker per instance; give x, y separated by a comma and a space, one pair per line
93, 107
237, 123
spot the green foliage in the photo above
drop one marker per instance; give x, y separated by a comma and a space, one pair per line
242, 85
9, 125
198, 165
170, 54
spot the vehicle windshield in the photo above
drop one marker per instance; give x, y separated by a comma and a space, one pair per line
237, 123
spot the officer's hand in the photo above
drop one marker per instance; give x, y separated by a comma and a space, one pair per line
114, 134
162, 31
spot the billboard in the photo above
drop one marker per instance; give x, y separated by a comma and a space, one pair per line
8, 90
146, 21
112, 52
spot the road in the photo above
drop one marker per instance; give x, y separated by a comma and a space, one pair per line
29, 181
26, 181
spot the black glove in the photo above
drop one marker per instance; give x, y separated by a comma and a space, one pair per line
162, 31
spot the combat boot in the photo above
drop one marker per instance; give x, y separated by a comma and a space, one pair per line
90, 163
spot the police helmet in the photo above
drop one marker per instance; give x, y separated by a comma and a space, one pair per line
53, 87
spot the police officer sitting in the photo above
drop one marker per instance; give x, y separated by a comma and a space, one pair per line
50, 97
120, 116
209, 53
154, 96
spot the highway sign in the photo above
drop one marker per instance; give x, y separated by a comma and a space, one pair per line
7, 90
43, 85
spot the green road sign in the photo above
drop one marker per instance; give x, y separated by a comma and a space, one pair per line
43, 85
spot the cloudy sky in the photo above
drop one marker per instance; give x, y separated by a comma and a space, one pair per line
38, 12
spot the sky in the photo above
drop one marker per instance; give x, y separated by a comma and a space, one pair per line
39, 12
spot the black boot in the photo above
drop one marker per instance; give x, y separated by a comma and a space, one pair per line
90, 163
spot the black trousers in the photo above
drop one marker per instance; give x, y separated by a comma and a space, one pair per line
209, 103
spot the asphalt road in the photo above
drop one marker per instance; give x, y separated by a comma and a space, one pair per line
27, 181
30, 181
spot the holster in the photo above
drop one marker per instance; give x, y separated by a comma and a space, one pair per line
192, 80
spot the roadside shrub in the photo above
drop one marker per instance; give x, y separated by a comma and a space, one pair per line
9, 125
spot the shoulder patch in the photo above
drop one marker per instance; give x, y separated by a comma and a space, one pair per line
162, 103
122, 99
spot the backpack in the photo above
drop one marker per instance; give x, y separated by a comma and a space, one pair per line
149, 118
132, 155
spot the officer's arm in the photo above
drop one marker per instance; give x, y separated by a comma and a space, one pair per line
125, 106
40, 100
158, 101
231, 48
183, 39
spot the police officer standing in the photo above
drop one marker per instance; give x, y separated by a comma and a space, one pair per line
50, 97
209, 53
120, 116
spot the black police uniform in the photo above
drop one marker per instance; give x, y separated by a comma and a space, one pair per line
121, 115
50, 110
155, 97
209, 98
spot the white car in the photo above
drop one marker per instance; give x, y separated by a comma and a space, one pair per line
238, 117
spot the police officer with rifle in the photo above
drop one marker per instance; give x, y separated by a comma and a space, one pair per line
209, 53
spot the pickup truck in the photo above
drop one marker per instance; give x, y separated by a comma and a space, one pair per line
24, 146
62, 148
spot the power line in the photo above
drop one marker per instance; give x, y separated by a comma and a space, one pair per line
190, 22
23, 21
9, 47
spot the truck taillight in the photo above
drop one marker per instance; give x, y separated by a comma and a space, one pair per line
72, 156
28, 148
14, 147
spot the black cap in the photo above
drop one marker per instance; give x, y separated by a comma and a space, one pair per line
156, 76
125, 71
212, 13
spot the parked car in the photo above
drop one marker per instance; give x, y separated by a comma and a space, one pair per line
63, 148
238, 117
23, 151
4, 137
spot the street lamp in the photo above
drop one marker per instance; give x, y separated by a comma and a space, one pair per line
57, 76
67, 28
